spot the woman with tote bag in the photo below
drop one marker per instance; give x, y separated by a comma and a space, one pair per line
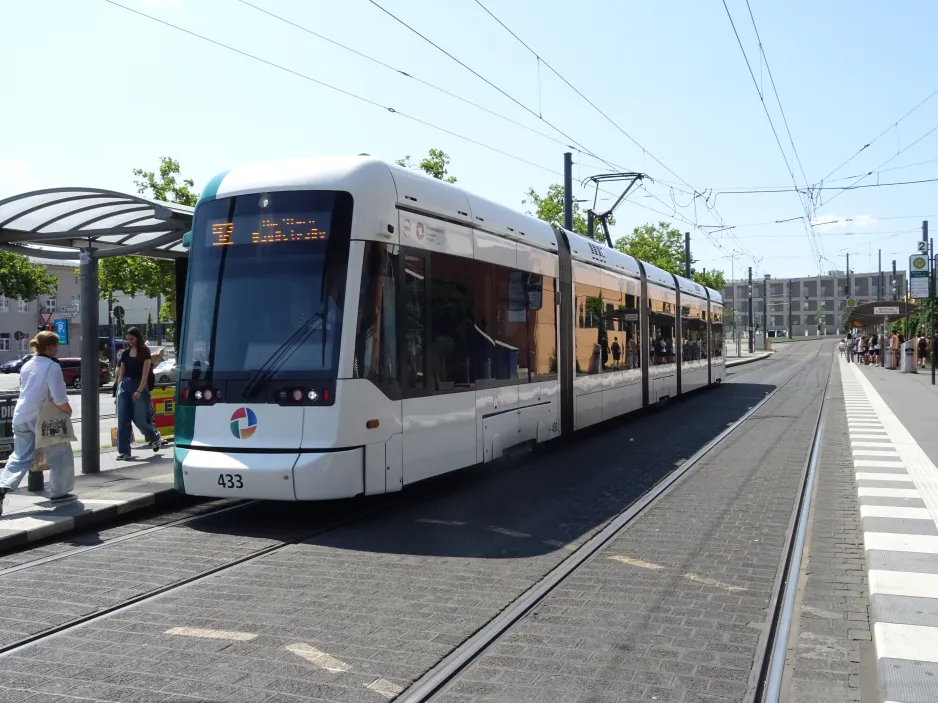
40, 380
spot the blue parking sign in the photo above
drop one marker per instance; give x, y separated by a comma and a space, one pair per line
61, 329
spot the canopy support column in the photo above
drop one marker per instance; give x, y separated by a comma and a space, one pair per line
90, 367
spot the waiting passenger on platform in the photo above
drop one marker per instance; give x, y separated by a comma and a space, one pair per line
40, 380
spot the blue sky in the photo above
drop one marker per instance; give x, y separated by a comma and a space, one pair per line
92, 91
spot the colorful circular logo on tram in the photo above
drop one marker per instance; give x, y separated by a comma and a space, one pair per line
243, 423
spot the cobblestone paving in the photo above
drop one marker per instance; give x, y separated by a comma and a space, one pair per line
48, 595
360, 612
834, 622
672, 610
135, 522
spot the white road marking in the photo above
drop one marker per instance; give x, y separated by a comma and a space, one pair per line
453, 523
875, 452
877, 464
320, 659
712, 582
872, 444
896, 512
903, 583
888, 541
913, 642
863, 434
211, 634
635, 562
896, 478
868, 492
385, 688
510, 533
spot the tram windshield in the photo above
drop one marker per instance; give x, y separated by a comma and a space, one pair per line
266, 285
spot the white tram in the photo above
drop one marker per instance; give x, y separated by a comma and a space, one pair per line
352, 327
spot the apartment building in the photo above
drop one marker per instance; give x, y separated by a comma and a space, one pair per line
808, 305
26, 316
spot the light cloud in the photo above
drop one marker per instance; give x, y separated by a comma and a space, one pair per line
832, 224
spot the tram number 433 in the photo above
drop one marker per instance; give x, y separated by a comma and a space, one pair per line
230, 481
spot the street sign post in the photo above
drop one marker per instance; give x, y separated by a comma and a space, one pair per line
919, 276
61, 329
886, 310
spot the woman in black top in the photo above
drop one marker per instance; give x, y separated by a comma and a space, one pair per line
133, 395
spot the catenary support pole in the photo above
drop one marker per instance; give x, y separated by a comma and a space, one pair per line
750, 311
765, 309
895, 282
932, 286
789, 308
879, 282
687, 255
568, 191
90, 367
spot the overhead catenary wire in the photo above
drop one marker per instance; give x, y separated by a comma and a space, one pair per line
376, 104
888, 129
493, 85
815, 245
406, 74
347, 93
695, 193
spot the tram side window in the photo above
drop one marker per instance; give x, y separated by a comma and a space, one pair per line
452, 308
485, 325
661, 326
694, 331
376, 336
414, 314
716, 332
591, 333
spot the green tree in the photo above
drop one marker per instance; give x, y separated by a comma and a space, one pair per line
710, 279
549, 207
136, 274
660, 245
23, 280
435, 164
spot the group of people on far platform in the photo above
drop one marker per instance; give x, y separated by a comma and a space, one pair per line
872, 349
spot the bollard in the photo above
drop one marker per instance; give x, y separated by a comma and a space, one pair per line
37, 480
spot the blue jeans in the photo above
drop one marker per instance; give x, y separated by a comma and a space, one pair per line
136, 411
59, 457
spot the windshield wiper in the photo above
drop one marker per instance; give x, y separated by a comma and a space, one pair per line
261, 376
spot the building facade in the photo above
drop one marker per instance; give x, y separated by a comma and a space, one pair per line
808, 306
26, 317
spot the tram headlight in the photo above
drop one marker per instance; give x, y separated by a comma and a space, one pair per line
312, 395
297, 395
198, 395
207, 394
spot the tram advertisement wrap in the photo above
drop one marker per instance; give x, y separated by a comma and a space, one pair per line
164, 406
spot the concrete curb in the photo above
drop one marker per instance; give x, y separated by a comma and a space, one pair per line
48, 523
748, 360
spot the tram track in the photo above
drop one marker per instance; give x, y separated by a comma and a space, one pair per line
771, 653
449, 668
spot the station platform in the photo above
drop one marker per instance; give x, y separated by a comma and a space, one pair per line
892, 420
121, 487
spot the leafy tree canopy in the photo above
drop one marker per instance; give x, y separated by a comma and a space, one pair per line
660, 245
23, 280
136, 274
711, 279
435, 164
549, 207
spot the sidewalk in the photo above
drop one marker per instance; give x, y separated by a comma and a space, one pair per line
892, 419
120, 488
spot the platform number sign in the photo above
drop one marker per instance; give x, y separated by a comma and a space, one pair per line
923, 247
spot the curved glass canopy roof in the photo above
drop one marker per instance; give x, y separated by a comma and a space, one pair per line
55, 222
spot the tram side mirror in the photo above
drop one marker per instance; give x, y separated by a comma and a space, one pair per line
187, 240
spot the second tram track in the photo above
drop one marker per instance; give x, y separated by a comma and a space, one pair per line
448, 670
